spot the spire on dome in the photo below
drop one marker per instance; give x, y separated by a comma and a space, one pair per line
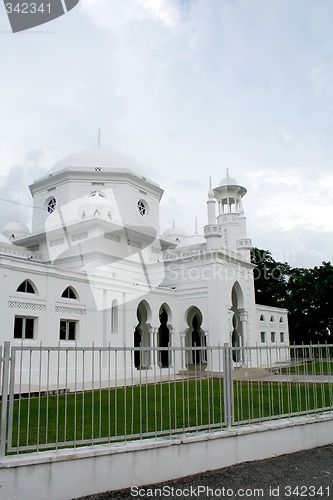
227, 180
99, 138
210, 190
196, 231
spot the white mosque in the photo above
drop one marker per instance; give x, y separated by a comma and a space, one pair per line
95, 269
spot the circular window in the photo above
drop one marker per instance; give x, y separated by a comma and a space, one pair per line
51, 205
142, 208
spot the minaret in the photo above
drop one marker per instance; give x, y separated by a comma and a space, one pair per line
212, 230
231, 217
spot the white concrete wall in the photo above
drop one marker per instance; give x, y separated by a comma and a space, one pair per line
73, 473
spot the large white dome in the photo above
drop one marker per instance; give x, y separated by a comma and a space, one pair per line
95, 158
4, 239
174, 234
15, 230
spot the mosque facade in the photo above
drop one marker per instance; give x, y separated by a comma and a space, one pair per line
94, 269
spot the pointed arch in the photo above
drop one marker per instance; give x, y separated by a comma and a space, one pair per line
70, 293
144, 311
195, 337
164, 335
142, 336
27, 286
237, 296
237, 334
190, 313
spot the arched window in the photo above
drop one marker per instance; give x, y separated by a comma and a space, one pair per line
26, 287
69, 293
262, 317
281, 320
272, 319
114, 316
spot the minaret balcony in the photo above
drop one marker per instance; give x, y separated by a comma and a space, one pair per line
232, 217
244, 244
212, 230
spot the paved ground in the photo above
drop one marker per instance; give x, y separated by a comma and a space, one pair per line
306, 474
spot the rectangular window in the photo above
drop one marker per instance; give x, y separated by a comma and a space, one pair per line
67, 329
263, 337
272, 336
281, 336
24, 328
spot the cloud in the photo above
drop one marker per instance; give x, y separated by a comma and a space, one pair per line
188, 88
113, 14
15, 199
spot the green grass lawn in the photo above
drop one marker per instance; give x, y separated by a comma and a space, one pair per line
154, 409
312, 368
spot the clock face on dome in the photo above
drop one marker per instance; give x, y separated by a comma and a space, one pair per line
52, 203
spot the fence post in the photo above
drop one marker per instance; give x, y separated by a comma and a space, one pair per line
228, 386
4, 406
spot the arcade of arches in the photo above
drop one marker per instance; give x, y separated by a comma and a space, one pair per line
145, 336
194, 338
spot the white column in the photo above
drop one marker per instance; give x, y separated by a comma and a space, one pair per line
243, 316
183, 352
154, 343
208, 353
172, 354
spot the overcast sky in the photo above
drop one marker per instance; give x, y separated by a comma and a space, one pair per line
187, 88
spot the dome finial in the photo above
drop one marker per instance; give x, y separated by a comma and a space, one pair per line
99, 138
210, 190
196, 231
227, 173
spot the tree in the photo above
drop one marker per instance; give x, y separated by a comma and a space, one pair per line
306, 293
310, 304
270, 278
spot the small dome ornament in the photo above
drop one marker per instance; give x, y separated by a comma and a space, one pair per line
227, 180
174, 234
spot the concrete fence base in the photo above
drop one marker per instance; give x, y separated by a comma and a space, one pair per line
72, 473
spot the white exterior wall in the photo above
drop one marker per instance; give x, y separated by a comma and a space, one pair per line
107, 252
70, 187
58, 475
